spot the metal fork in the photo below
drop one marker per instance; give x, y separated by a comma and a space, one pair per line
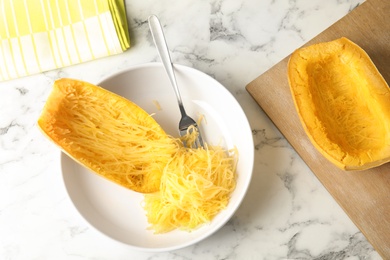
186, 123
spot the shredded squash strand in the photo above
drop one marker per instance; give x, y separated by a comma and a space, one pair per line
195, 186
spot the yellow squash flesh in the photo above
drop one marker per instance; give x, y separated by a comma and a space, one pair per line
343, 103
107, 133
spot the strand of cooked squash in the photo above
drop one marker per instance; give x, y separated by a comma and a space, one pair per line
195, 186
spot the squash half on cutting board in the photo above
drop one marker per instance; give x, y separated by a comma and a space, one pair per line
343, 103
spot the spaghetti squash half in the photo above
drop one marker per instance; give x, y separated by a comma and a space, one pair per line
343, 103
108, 134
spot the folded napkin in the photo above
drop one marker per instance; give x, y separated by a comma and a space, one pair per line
41, 35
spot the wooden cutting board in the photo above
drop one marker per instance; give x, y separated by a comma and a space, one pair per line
364, 195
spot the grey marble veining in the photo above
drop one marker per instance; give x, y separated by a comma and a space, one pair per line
287, 213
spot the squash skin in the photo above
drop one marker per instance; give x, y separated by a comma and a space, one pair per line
69, 111
343, 103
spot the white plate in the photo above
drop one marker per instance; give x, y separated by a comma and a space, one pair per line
116, 211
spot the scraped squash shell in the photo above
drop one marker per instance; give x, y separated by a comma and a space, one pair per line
343, 103
107, 133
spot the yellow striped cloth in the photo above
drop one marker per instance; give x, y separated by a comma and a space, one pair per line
41, 35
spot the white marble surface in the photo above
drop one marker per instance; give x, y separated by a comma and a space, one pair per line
287, 213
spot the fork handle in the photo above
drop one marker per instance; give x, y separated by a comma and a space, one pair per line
162, 48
